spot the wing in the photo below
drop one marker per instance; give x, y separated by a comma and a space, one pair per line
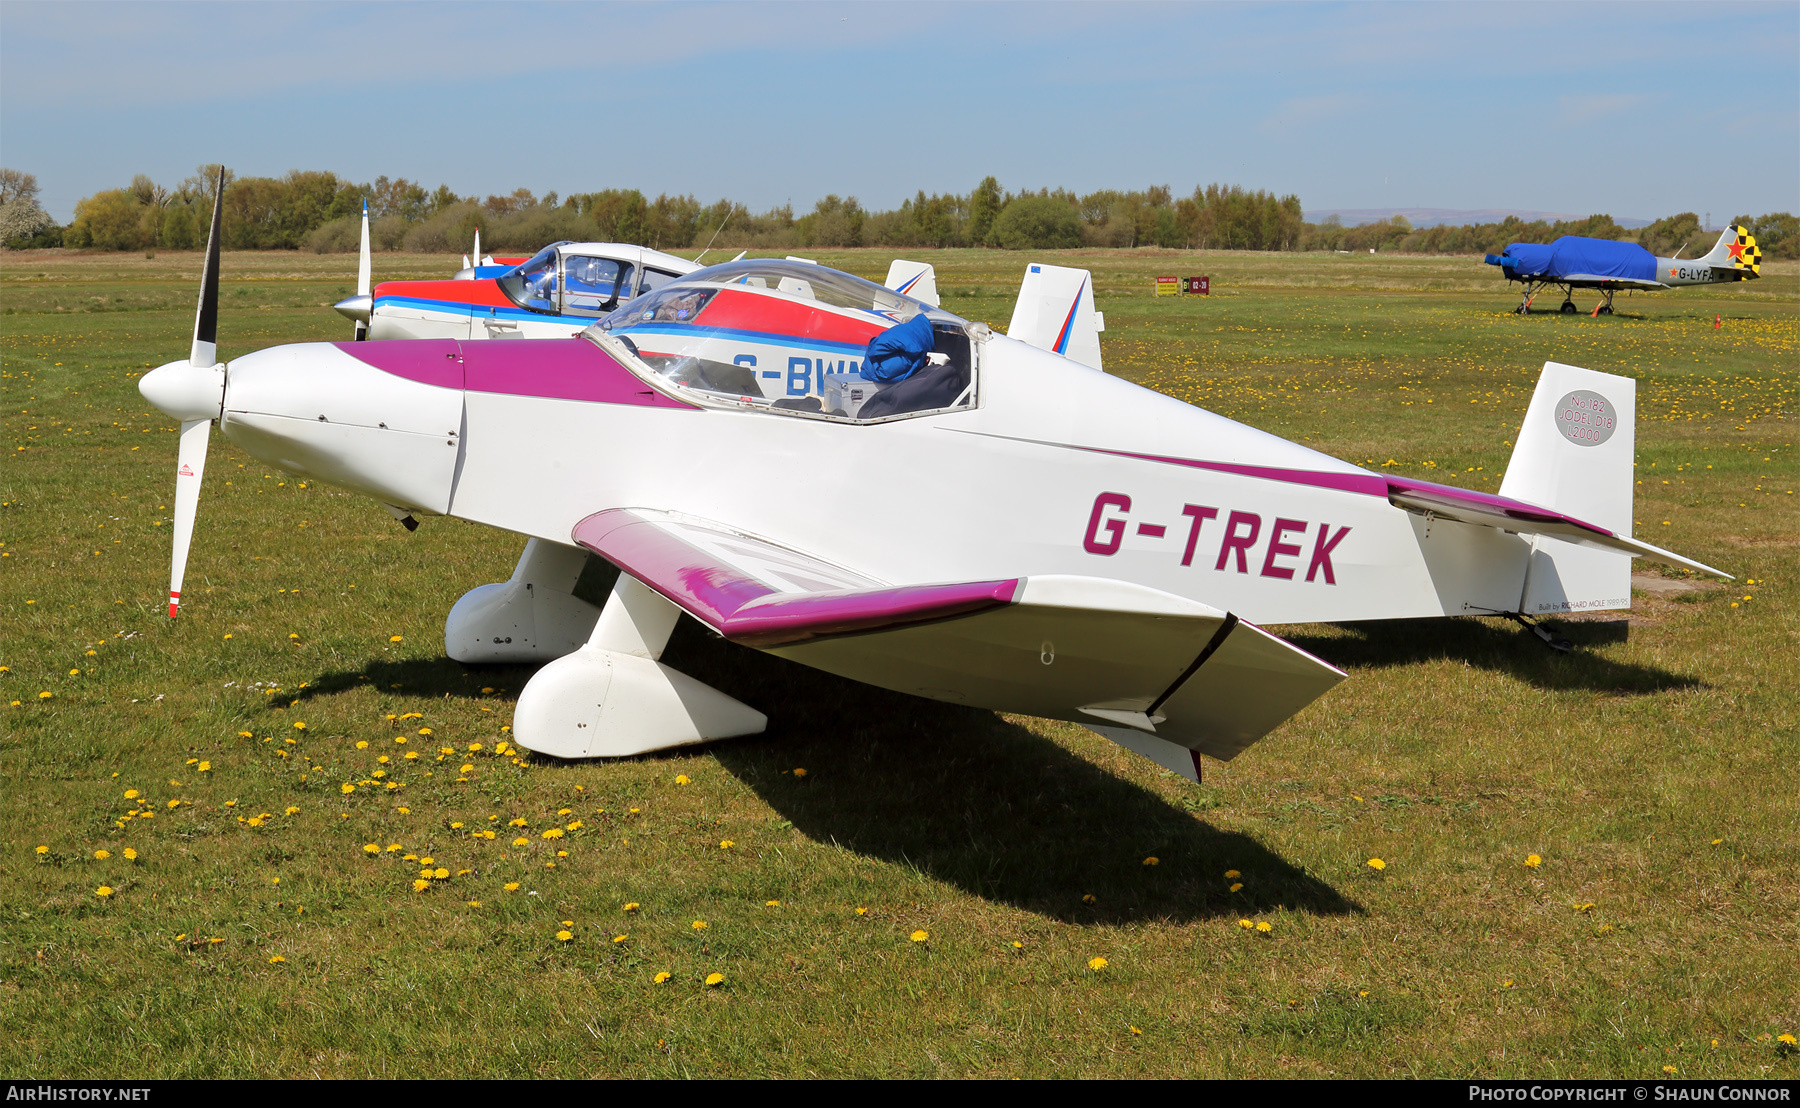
1135, 663
1598, 281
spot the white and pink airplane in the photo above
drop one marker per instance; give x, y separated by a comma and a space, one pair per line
820, 467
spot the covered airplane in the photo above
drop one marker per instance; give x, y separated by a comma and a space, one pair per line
1580, 263
992, 524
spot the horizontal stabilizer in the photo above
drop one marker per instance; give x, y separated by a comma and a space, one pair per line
1488, 510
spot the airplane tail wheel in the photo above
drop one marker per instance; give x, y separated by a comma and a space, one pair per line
1568, 307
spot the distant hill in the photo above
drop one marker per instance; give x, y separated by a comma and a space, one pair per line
1455, 217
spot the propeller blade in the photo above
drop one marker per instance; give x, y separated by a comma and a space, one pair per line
205, 351
362, 273
188, 471
193, 392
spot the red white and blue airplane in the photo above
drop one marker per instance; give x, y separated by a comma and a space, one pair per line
988, 523
554, 293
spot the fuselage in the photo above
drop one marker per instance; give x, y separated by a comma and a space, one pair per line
553, 294
1052, 469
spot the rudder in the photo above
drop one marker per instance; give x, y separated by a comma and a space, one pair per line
1575, 455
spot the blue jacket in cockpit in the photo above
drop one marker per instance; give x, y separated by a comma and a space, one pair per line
898, 352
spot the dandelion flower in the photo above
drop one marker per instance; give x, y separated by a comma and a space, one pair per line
632, 906
1097, 964
1017, 945
681, 779
564, 936
862, 911
1532, 861
1136, 1031
103, 855
43, 850
1089, 898
46, 695
1716, 842
467, 769
1265, 927
511, 886
1784, 1038
440, 873
371, 848
714, 980
131, 794
771, 904
798, 772
1152, 860
1669, 1069
299, 725
921, 936
553, 833
205, 767
346, 788
1231, 874
1377, 864
620, 938
1236, 885
130, 854
726, 844
420, 885
396, 638
661, 976
277, 960
521, 841
103, 891
699, 925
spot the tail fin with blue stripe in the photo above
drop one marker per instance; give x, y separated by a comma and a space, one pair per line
1055, 312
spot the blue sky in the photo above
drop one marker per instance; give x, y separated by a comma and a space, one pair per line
1633, 109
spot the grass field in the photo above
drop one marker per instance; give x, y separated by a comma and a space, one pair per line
1590, 860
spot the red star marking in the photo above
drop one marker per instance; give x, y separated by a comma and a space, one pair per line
1736, 249
1671, 273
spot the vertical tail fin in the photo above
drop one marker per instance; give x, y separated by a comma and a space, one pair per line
1055, 312
915, 279
1736, 249
1575, 455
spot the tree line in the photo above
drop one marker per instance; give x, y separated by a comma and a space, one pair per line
320, 211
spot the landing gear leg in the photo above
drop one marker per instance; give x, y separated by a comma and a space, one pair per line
1524, 307
1605, 306
613, 698
1550, 639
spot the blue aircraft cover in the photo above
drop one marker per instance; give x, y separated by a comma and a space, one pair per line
1571, 256
898, 352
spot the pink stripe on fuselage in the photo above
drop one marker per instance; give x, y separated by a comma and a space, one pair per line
555, 369
1370, 484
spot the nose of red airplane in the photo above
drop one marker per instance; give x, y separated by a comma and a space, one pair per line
356, 307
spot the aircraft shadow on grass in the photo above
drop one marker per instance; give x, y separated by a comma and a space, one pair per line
959, 794
1502, 648
967, 798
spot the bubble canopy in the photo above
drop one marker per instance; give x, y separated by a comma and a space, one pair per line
790, 335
